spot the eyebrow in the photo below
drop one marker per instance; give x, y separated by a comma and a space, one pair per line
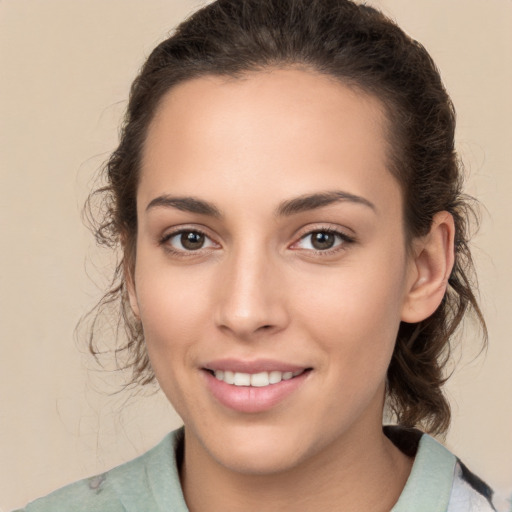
186, 204
285, 209
313, 201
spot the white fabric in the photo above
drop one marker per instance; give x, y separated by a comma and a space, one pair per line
464, 498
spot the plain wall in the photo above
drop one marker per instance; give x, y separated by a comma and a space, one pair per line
65, 71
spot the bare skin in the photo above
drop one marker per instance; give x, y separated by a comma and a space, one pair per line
270, 232
366, 480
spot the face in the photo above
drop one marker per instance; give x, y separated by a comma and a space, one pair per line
271, 269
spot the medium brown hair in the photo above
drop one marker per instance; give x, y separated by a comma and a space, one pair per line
360, 47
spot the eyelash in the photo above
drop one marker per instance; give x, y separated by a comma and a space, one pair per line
164, 241
342, 237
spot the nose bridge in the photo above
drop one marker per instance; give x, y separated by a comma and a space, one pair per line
251, 300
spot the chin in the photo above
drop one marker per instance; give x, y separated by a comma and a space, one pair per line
258, 450
273, 461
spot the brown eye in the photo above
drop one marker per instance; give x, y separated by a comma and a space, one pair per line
192, 240
322, 240
187, 241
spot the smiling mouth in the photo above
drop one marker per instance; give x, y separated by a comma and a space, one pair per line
258, 380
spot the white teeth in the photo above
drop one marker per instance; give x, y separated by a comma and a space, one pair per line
242, 379
275, 377
258, 380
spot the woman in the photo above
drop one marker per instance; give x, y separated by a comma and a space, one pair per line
288, 200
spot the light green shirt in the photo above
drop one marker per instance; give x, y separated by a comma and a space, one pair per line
151, 483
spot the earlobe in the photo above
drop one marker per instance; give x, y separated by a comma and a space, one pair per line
430, 270
128, 245
130, 288
133, 299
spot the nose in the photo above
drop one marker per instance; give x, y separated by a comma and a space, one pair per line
252, 295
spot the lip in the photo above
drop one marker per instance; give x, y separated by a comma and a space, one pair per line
249, 399
256, 366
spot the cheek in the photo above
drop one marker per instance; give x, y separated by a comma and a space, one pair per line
171, 300
172, 311
172, 317
357, 316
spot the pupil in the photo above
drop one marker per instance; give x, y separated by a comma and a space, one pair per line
192, 240
323, 240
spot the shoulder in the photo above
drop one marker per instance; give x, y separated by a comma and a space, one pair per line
92, 494
439, 481
469, 492
141, 484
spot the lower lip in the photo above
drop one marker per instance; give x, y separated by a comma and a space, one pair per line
249, 399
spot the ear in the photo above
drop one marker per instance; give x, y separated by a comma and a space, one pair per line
433, 257
132, 295
129, 275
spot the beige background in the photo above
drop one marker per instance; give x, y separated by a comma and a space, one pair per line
65, 69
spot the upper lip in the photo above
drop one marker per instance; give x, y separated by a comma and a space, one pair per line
254, 366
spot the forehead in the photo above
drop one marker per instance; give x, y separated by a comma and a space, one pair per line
295, 96
299, 126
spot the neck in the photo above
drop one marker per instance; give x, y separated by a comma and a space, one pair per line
362, 471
